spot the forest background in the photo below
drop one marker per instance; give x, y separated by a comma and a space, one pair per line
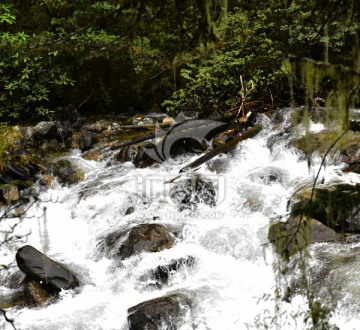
112, 57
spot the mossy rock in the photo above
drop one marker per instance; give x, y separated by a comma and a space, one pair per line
336, 207
302, 194
146, 238
67, 172
141, 238
92, 155
297, 234
320, 142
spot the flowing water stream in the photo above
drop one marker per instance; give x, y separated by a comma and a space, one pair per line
234, 265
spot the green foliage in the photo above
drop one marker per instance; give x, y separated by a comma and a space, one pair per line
204, 56
6, 144
247, 59
333, 73
290, 237
6, 15
26, 77
96, 55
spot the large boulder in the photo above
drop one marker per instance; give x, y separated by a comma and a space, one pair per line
167, 312
50, 274
146, 238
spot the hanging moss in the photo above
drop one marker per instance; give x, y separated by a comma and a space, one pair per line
320, 142
339, 85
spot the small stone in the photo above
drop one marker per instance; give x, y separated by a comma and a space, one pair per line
11, 194
130, 210
168, 120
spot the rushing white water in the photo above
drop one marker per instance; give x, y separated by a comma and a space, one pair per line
234, 263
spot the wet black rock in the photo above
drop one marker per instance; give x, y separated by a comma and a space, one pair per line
87, 141
17, 172
142, 158
128, 154
146, 238
167, 312
51, 275
186, 194
163, 273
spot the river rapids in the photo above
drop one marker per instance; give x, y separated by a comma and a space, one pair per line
232, 284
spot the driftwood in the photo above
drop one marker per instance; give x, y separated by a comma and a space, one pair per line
224, 148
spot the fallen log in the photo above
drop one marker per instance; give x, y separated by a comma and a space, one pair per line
224, 148
191, 129
225, 118
145, 126
130, 143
